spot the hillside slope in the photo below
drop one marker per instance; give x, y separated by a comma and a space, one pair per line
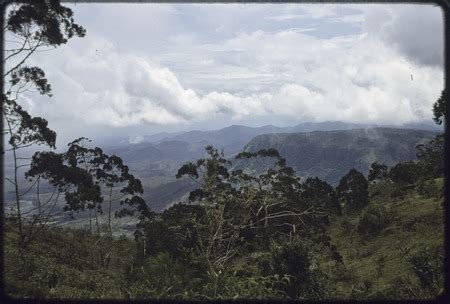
329, 155
385, 263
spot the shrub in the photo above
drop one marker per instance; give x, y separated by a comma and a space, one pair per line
352, 191
427, 265
428, 189
378, 172
292, 259
373, 221
405, 173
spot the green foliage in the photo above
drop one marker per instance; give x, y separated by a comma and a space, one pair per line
52, 23
440, 107
378, 172
34, 76
315, 192
60, 264
162, 276
380, 192
429, 188
373, 221
379, 261
228, 285
352, 191
405, 173
431, 157
427, 265
63, 263
292, 259
25, 130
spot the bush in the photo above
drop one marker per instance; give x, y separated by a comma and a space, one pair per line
429, 189
352, 191
381, 191
229, 285
399, 192
378, 172
373, 221
405, 173
294, 260
427, 265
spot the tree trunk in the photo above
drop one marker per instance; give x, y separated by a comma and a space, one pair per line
109, 212
16, 189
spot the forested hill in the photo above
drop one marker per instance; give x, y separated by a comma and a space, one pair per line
329, 155
325, 154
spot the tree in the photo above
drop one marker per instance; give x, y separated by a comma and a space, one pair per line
440, 107
293, 259
88, 177
29, 28
373, 221
352, 191
378, 172
240, 209
111, 175
217, 241
431, 157
274, 199
319, 193
24, 131
37, 26
405, 173
77, 184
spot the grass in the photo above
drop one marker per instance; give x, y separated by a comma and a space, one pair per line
416, 223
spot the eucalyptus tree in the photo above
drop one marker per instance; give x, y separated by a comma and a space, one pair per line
77, 185
216, 240
238, 207
114, 179
88, 177
30, 27
282, 203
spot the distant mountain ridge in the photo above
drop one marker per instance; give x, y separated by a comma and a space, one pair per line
330, 154
311, 148
325, 154
301, 127
233, 138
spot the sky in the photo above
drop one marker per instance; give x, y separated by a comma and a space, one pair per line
147, 68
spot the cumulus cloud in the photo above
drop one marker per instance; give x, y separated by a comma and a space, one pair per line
245, 75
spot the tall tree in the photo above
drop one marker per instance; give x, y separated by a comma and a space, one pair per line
76, 183
88, 177
29, 28
112, 176
352, 191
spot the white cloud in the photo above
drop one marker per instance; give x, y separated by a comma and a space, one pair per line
415, 30
136, 139
244, 75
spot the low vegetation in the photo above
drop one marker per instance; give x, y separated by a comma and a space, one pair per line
271, 236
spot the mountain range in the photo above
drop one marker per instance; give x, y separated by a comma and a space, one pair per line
327, 154
326, 150
330, 154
